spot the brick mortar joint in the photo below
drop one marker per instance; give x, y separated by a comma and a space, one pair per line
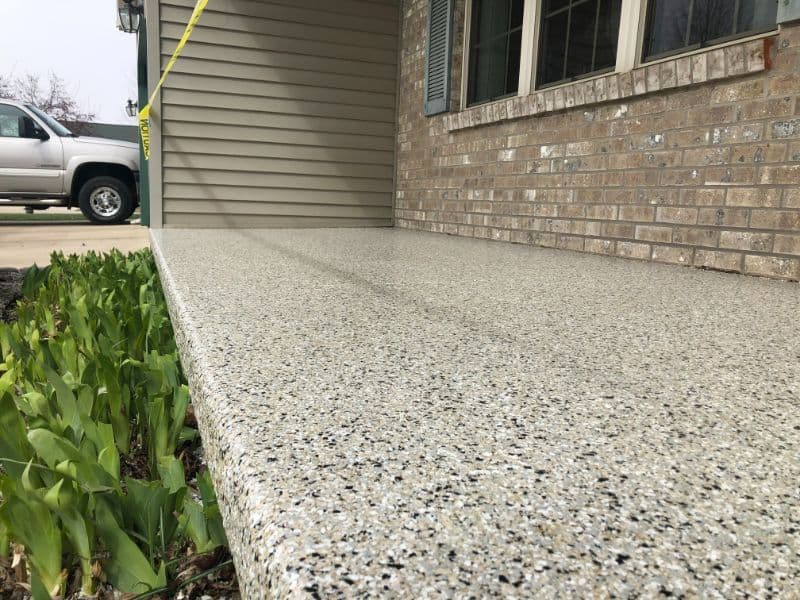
606, 89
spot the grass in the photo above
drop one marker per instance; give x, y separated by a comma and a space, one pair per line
47, 217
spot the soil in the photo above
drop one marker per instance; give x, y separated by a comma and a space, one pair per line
10, 292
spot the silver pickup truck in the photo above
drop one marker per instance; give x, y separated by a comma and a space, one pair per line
43, 164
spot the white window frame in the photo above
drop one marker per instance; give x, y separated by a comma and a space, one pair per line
629, 45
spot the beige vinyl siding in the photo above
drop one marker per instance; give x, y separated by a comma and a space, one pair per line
280, 113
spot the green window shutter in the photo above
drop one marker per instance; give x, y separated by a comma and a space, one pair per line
437, 59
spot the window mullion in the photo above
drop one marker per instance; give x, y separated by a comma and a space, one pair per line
596, 30
628, 40
736, 10
566, 42
527, 60
688, 35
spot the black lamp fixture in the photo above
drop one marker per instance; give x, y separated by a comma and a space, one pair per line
130, 15
132, 108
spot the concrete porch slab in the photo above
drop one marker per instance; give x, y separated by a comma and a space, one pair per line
397, 414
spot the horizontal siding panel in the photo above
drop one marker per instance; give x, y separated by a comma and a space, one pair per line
303, 13
218, 38
272, 165
221, 221
279, 90
280, 114
266, 180
378, 9
248, 194
277, 105
284, 151
243, 22
283, 60
276, 136
196, 114
278, 209
284, 76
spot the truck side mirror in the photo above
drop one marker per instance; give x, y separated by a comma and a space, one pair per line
30, 129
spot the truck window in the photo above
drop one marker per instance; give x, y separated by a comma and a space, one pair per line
10, 125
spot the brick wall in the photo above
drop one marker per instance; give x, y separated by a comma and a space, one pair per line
703, 173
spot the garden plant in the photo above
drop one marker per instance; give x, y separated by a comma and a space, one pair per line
100, 482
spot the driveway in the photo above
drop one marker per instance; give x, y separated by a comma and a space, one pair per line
22, 245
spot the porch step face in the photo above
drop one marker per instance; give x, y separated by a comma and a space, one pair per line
389, 413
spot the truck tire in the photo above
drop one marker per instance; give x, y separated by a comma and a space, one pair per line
106, 200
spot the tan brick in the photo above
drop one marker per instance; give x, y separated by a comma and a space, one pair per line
633, 250
746, 240
703, 197
626, 160
794, 151
784, 174
659, 196
653, 234
756, 197
791, 197
670, 214
735, 60
604, 212
759, 153
663, 158
785, 129
682, 176
775, 219
683, 70
723, 217
616, 196
600, 246
695, 236
713, 155
766, 109
784, 84
787, 244
572, 211
699, 67
644, 214
738, 91
720, 261
731, 134
673, 255
613, 229
768, 266
570, 242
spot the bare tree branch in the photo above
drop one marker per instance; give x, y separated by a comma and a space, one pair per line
54, 98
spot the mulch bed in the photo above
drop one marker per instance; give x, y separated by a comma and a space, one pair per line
10, 292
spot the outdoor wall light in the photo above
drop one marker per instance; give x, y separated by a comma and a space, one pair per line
130, 15
132, 108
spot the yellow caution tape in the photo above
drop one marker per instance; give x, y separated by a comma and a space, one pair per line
144, 114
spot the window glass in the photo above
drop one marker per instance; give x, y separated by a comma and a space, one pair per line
11, 121
60, 130
679, 25
577, 38
495, 47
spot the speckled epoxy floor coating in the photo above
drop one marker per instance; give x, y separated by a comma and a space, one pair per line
399, 414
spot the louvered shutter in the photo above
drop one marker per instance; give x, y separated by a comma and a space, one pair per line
437, 59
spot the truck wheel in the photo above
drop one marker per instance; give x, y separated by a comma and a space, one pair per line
106, 200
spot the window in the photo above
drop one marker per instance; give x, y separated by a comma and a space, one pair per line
679, 25
495, 49
12, 122
577, 38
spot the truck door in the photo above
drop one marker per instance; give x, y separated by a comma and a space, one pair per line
28, 163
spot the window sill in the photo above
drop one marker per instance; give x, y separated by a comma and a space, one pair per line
711, 64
